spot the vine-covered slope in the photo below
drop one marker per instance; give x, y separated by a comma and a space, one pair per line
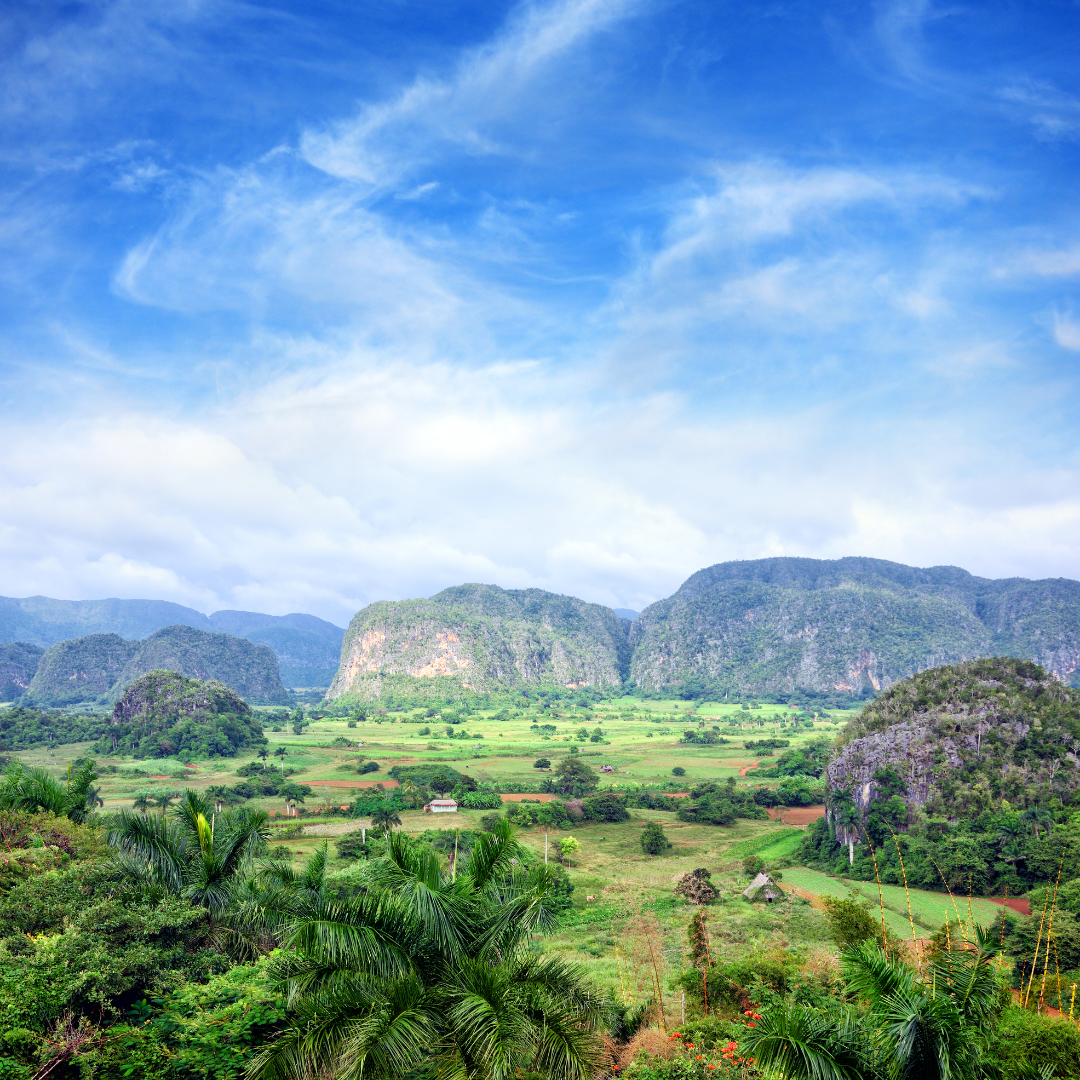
482, 637
845, 626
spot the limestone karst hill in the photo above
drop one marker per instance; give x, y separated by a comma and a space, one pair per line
484, 638
962, 738
845, 626
102, 666
307, 648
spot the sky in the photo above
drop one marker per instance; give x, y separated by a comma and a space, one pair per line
308, 305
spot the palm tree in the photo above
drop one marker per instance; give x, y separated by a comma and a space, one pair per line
281, 752
912, 1028
848, 819
163, 799
418, 973
385, 817
142, 802
194, 853
263, 754
1038, 817
33, 788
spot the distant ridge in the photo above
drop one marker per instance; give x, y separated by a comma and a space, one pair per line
845, 626
100, 667
307, 648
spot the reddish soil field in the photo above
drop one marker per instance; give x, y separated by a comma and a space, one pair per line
798, 815
1020, 904
522, 798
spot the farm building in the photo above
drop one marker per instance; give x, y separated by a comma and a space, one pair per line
441, 806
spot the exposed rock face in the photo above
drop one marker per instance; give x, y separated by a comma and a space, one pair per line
963, 737
482, 637
19, 661
776, 626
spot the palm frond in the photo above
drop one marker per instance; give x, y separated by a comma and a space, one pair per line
159, 844
798, 1043
492, 853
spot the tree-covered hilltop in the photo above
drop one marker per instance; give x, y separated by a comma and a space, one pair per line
18, 662
481, 637
775, 627
80, 670
99, 667
966, 737
165, 714
973, 768
249, 669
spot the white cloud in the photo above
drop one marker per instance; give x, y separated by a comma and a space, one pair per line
1067, 332
387, 141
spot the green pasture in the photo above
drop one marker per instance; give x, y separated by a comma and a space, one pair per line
929, 910
640, 742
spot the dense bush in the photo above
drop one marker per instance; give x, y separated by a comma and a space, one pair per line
653, 839
607, 806
719, 804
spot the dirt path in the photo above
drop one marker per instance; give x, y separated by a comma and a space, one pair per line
752, 765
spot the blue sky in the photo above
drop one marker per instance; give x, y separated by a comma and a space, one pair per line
309, 305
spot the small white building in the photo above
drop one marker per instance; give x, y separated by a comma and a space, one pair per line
441, 806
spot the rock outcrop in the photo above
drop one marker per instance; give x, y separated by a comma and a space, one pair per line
481, 637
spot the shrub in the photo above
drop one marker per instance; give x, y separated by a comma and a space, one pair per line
851, 921
490, 822
368, 767
678, 771
696, 887
753, 864
606, 806
653, 840
541, 763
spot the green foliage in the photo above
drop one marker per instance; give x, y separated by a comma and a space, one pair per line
542, 763
165, 714
678, 770
851, 921
1024, 1043
430, 973
29, 787
653, 839
572, 778
548, 815
21, 728
607, 806
719, 804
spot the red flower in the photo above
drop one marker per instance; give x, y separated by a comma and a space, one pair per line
751, 1024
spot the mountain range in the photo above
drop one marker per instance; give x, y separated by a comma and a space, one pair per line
775, 629
307, 648
770, 628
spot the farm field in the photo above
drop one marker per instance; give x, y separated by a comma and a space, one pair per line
640, 742
929, 910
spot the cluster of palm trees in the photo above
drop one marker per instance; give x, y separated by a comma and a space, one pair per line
934, 1024
33, 788
419, 968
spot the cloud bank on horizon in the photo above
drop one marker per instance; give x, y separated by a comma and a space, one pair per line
309, 305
